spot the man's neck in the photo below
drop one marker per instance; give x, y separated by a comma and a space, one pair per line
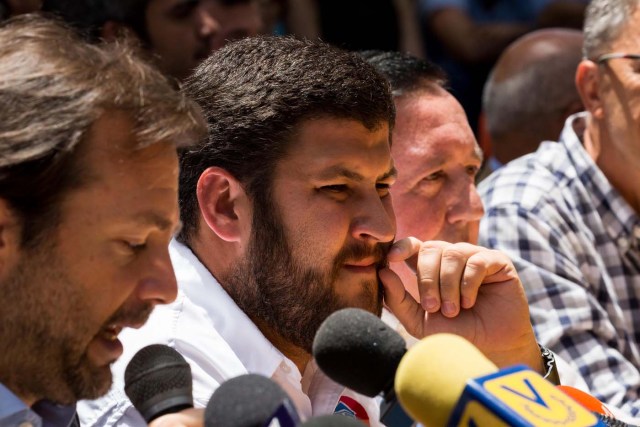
294, 353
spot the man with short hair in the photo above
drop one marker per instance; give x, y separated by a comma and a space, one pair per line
288, 218
179, 33
435, 196
530, 93
88, 204
436, 154
568, 215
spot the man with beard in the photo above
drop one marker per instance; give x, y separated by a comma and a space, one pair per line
287, 218
88, 203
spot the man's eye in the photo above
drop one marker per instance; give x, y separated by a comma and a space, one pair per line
383, 188
472, 170
134, 247
338, 188
434, 176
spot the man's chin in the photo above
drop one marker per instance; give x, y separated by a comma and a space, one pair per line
87, 381
370, 299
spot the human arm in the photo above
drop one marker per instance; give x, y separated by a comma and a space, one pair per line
574, 305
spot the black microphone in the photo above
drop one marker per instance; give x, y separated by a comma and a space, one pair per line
358, 350
250, 400
158, 381
332, 421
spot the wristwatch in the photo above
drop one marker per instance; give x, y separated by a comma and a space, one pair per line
551, 370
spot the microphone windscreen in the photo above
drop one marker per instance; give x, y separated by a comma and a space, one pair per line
332, 421
158, 381
432, 376
358, 350
249, 400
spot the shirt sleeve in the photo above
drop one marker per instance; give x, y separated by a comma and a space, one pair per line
568, 295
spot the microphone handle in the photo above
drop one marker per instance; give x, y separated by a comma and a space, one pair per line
392, 414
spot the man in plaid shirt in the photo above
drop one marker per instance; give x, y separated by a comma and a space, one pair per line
568, 215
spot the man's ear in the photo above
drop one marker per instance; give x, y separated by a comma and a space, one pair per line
10, 238
224, 204
588, 81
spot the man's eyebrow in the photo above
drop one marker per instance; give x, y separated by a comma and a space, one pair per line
391, 173
341, 171
152, 218
478, 153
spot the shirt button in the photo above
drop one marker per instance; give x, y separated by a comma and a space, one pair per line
623, 244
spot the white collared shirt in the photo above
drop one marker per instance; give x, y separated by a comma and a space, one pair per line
219, 342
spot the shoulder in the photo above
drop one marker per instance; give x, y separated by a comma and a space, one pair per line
531, 181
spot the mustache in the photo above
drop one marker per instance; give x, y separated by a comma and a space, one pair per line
131, 314
357, 251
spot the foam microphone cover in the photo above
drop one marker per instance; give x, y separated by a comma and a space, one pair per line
358, 350
158, 381
332, 421
249, 400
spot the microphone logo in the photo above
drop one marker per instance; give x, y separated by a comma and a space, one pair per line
525, 394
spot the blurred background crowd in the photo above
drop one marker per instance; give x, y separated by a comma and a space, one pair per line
464, 37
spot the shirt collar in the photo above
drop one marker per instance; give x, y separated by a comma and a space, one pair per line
621, 221
45, 413
253, 349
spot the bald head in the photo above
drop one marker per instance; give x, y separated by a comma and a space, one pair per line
531, 91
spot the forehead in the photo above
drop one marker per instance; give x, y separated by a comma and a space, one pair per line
430, 126
111, 153
125, 182
326, 145
629, 34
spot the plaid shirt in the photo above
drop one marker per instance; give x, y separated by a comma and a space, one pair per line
576, 245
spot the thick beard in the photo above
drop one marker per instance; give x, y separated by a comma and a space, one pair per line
291, 297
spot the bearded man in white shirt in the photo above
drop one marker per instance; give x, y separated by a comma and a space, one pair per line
287, 218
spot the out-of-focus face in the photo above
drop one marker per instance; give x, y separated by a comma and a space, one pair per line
319, 245
437, 158
182, 33
620, 95
24, 6
102, 268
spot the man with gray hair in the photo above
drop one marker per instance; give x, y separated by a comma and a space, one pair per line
531, 92
569, 215
88, 204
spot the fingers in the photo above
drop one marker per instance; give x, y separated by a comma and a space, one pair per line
450, 275
191, 417
405, 249
428, 272
401, 303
